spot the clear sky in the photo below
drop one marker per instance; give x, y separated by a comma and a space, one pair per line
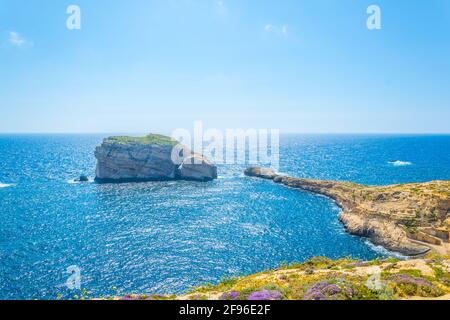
155, 65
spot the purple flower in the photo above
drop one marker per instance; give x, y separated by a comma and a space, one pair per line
357, 264
265, 295
155, 297
130, 297
328, 291
233, 295
414, 286
406, 279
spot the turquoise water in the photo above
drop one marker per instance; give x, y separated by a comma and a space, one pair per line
165, 237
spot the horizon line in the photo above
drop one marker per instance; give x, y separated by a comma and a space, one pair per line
161, 132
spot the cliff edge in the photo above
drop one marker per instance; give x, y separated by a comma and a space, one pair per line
411, 219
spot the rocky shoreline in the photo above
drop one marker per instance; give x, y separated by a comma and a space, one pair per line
411, 219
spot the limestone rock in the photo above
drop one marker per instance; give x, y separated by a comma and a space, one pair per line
263, 173
197, 168
149, 158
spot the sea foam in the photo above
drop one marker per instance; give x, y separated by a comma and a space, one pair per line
73, 181
386, 252
399, 163
4, 185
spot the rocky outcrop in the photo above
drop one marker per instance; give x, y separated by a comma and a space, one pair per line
263, 173
198, 168
404, 218
83, 178
149, 158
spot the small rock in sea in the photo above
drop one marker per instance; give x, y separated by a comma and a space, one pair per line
263, 173
83, 179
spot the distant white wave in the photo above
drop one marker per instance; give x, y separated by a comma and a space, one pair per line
73, 181
225, 177
231, 176
4, 185
399, 163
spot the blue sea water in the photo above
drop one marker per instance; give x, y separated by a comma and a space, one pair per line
166, 237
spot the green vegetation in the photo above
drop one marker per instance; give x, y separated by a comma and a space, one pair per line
324, 279
411, 284
411, 225
441, 275
151, 139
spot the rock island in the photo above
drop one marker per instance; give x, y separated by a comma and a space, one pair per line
149, 158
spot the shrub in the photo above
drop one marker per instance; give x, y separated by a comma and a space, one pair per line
325, 290
408, 285
265, 295
233, 295
319, 262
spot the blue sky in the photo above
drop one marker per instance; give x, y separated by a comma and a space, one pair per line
156, 65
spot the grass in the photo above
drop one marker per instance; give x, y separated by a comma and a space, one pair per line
151, 139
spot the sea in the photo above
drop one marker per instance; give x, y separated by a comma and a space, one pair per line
60, 239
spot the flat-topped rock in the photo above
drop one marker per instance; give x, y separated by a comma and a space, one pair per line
409, 218
149, 158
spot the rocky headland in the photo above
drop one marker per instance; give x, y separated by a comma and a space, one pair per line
411, 219
149, 158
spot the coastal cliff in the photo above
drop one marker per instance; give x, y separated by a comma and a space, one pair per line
149, 158
411, 219
324, 279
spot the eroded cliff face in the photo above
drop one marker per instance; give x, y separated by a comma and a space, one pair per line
149, 158
197, 167
410, 219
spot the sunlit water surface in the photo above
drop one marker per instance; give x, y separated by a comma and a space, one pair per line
166, 237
